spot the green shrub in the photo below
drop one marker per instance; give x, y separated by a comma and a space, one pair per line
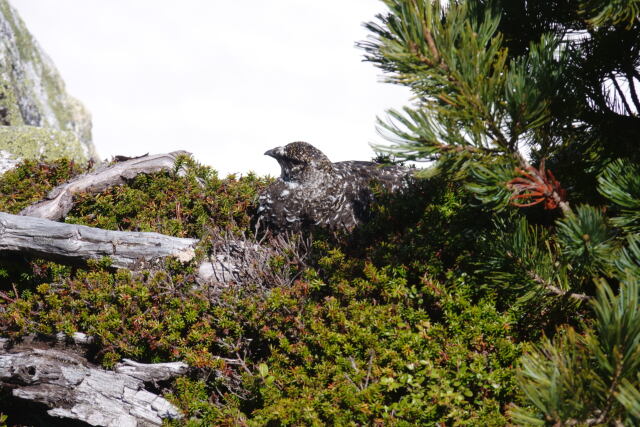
31, 180
387, 326
185, 202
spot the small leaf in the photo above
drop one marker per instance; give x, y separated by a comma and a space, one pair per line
263, 369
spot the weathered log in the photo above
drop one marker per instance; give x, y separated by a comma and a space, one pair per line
59, 201
60, 241
74, 388
233, 260
151, 373
78, 338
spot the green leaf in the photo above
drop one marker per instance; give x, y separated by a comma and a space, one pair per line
263, 369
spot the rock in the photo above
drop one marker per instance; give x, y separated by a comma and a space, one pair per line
34, 142
7, 161
38, 119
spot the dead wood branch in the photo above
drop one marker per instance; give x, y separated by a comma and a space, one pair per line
59, 201
74, 388
54, 240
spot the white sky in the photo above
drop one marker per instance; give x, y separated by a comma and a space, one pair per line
225, 80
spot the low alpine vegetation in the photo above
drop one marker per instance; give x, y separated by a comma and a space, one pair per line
501, 288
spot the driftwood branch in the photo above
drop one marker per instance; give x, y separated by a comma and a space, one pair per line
61, 241
59, 201
151, 372
233, 260
73, 388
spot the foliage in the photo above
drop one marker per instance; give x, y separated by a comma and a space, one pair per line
615, 12
502, 289
473, 101
376, 330
389, 329
180, 203
589, 378
126, 313
340, 359
31, 180
619, 183
509, 96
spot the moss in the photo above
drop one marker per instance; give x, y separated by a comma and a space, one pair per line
40, 143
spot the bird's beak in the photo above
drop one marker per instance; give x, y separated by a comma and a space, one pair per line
274, 152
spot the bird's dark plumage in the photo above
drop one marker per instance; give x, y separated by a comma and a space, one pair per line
313, 191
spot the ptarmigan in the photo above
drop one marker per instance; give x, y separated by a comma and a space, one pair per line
313, 191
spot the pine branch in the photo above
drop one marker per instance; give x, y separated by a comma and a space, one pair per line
494, 128
632, 90
432, 47
621, 94
556, 290
447, 148
610, 397
547, 285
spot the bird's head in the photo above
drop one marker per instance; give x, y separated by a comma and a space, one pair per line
299, 160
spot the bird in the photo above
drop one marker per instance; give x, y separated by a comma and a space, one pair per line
313, 191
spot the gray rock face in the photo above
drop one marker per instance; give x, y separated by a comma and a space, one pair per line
33, 95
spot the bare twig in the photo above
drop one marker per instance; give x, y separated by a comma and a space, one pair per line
268, 262
633, 92
621, 94
7, 297
556, 290
366, 382
548, 286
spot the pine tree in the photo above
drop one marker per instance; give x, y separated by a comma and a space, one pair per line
515, 98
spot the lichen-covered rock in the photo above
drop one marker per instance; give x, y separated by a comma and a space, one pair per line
7, 161
40, 142
33, 95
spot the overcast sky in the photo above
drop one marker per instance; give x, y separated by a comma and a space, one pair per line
225, 80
